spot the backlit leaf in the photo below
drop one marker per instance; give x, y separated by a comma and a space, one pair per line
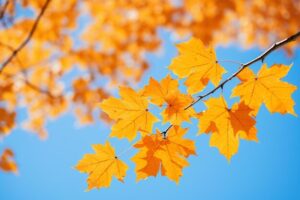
166, 154
131, 113
198, 63
102, 166
227, 125
268, 88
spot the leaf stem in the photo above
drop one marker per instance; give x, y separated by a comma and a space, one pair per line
230, 61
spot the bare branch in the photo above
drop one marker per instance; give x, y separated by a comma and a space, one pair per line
27, 39
261, 57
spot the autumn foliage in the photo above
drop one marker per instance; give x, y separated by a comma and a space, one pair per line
7, 162
166, 151
67, 57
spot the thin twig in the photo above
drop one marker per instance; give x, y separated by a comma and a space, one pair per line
31, 85
25, 79
3, 9
126, 150
40, 90
230, 61
261, 57
27, 39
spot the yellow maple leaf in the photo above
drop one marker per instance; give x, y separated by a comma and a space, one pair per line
163, 153
167, 93
159, 92
131, 113
266, 87
102, 166
227, 125
198, 63
225, 141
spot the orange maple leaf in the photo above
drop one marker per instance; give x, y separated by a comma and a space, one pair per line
167, 154
159, 92
7, 162
7, 121
227, 125
167, 93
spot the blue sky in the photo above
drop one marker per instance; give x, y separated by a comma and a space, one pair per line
268, 169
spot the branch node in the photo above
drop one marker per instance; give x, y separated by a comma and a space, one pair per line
164, 134
222, 86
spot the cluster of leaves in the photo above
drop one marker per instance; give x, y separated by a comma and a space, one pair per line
167, 151
92, 41
112, 43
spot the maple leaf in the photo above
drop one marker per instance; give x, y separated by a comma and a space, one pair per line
7, 121
176, 111
163, 153
225, 141
198, 63
114, 44
159, 92
266, 87
102, 166
167, 93
7, 162
109, 59
131, 113
227, 125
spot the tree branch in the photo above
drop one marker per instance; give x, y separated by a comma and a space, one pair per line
261, 57
25, 79
3, 9
36, 88
27, 39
